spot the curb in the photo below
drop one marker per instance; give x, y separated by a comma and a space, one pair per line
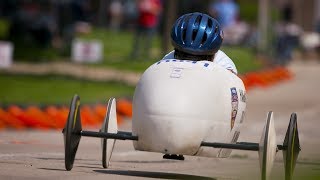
74, 70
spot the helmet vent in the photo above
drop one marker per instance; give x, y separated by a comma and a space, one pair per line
216, 30
194, 34
209, 24
204, 38
184, 34
196, 27
198, 20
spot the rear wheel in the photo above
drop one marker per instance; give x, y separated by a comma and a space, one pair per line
71, 132
292, 144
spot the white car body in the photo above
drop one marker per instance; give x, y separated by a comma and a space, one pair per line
178, 104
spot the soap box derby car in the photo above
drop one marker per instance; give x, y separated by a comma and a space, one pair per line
180, 107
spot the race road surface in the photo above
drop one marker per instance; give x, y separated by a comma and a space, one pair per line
40, 154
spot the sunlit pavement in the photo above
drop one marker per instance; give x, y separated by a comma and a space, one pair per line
31, 154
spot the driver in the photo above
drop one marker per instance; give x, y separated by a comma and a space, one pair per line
197, 36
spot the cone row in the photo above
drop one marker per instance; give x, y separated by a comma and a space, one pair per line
54, 117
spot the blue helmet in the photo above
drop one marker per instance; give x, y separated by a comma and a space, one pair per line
197, 34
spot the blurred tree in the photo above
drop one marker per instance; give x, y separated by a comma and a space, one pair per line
102, 12
169, 16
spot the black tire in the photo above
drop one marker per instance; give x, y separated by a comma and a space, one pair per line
72, 132
104, 153
293, 146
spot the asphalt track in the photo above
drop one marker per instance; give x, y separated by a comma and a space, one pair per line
40, 154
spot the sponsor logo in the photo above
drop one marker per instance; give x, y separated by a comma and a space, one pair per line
234, 105
243, 96
201, 63
176, 72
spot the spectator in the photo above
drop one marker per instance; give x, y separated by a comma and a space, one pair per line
227, 14
32, 24
79, 22
80, 10
130, 14
287, 37
148, 19
44, 25
225, 11
116, 12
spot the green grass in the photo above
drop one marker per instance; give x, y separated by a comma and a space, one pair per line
117, 49
118, 46
243, 58
57, 90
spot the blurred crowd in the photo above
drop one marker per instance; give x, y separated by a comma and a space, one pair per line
227, 13
55, 23
44, 23
285, 35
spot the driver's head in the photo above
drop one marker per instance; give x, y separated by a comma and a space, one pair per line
196, 36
